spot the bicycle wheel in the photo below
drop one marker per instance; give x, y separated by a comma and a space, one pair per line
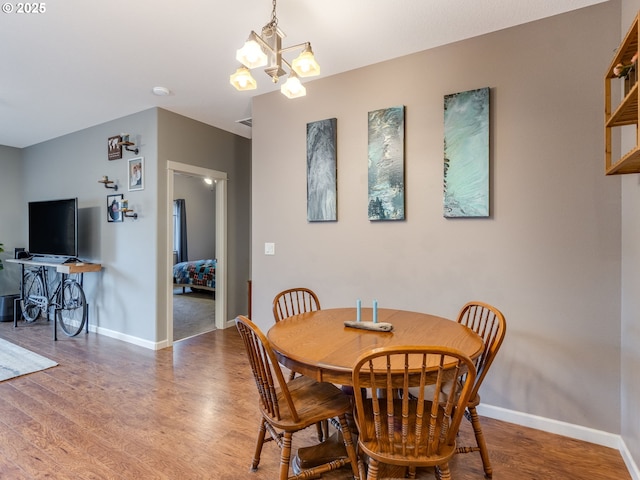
72, 311
33, 293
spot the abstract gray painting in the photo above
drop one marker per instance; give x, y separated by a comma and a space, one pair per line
386, 164
322, 170
466, 154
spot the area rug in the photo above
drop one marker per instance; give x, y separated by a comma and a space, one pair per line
16, 361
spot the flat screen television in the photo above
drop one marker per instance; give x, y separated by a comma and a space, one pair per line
53, 228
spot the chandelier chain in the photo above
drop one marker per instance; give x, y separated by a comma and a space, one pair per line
274, 18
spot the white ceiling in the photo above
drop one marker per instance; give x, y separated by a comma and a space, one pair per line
85, 62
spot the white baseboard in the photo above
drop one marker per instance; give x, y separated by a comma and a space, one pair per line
128, 338
578, 432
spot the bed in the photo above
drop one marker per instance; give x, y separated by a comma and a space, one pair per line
196, 274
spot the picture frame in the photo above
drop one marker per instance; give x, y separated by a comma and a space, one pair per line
466, 154
114, 148
113, 208
135, 175
385, 173
322, 189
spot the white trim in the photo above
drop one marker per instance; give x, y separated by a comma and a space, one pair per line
127, 338
632, 467
570, 430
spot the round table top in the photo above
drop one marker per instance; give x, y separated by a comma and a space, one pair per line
317, 344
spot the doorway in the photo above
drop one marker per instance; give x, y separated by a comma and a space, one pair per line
220, 180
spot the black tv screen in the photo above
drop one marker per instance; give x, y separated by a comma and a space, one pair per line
53, 227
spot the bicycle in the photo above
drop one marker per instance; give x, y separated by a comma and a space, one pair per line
68, 300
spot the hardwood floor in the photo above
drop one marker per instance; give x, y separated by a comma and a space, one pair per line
112, 410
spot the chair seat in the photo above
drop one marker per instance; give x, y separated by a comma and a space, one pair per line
314, 401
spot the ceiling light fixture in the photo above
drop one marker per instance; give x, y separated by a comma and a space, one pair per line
161, 91
266, 49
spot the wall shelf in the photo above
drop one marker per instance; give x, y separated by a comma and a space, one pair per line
627, 111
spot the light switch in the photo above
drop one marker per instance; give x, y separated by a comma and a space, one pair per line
269, 248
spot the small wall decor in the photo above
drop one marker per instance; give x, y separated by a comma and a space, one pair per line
108, 183
125, 210
127, 142
386, 164
321, 170
113, 208
114, 148
466, 154
136, 173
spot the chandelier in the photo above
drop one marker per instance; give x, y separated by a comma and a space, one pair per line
266, 49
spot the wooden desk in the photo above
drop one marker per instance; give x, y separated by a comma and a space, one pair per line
63, 268
66, 268
318, 345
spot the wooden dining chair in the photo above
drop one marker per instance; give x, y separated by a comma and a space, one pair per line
294, 301
288, 407
397, 428
488, 322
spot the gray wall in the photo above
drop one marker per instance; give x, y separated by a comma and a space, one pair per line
630, 373
200, 201
122, 296
13, 219
127, 299
549, 256
191, 142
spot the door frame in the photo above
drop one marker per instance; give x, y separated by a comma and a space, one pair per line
221, 240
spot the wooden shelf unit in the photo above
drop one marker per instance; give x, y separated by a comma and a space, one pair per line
627, 112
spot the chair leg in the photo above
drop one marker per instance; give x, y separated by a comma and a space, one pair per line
443, 472
372, 471
285, 455
256, 456
351, 449
482, 445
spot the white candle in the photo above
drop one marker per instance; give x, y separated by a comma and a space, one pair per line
375, 311
358, 310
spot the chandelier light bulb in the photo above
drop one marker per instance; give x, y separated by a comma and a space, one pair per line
243, 80
251, 55
293, 88
305, 64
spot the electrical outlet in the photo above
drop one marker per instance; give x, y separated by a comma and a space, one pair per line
269, 248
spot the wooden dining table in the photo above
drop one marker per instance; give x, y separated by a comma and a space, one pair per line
319, 345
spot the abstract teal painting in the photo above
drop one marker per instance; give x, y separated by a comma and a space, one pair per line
322, 171
386, 164
466, 154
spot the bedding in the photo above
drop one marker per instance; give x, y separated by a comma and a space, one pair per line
195, 273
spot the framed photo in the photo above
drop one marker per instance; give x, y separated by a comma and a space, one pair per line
113, 208
114, 149
136, 173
